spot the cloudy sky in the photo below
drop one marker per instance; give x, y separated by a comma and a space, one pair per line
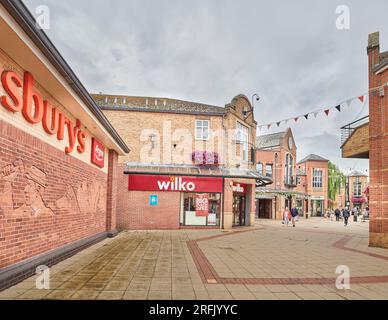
289, 52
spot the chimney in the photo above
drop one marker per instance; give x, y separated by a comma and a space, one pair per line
373, 51
373, 40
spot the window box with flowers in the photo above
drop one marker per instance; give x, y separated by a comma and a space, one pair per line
205, 158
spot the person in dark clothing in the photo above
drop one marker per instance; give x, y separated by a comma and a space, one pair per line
337, 213
346, 215
294, 214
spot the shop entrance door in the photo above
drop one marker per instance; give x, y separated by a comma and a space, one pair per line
238, 210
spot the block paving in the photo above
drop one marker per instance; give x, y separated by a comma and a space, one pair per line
266, 262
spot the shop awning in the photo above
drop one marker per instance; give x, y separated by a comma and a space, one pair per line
192, 170
265, 193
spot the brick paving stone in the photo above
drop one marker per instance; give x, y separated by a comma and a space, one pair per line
135, 295
110, 295
159, 295
84, 295
287, 296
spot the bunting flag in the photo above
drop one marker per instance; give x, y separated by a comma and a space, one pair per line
339, 107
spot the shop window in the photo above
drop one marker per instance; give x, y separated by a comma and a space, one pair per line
200, 209
202, 128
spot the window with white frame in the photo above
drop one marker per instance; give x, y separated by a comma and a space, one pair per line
317, 178
357, 187
202, 129
242, 138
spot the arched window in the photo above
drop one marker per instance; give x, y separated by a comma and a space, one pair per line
289, 169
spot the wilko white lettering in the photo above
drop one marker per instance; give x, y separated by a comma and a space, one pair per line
176, 184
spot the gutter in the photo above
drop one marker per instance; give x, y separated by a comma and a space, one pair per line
26, 21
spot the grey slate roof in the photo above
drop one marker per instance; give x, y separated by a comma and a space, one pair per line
312, 157
154, 104
383, 61
356, 173
269, 140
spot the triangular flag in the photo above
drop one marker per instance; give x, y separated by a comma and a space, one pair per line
338, 108
278, 123
315, 114
296, 119
287, 121
327, 111
348, 102
374, 93
269, 126
306, 116
361, 98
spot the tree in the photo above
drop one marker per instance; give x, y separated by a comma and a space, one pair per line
337, 181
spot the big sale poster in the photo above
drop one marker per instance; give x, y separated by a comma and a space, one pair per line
201, 204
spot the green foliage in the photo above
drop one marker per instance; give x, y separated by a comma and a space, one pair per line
337, 181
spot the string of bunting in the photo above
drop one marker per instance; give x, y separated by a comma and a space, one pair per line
339, 107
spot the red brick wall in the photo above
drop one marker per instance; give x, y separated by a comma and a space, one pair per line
47, 198
378, 154
135, 212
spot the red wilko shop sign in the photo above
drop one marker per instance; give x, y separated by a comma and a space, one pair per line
141, 182
97, 157
52, 119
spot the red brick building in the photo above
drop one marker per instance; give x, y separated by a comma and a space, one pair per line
276, 160
378, 141
313, 179
58, 154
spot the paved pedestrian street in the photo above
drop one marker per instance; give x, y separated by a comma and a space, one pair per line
268, 261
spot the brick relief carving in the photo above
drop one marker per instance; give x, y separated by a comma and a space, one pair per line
24, 194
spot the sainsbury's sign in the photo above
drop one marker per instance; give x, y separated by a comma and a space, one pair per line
141, 182
22, 97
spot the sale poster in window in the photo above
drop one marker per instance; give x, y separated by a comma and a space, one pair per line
201, 204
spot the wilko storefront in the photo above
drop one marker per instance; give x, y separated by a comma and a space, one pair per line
58, 154
199, 197
173, 197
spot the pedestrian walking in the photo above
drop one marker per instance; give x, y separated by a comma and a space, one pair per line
346, 215
337, 213
294, 215
286, 216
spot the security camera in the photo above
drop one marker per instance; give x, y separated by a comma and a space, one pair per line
257, 98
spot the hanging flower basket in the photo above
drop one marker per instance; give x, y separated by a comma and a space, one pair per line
205, 158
